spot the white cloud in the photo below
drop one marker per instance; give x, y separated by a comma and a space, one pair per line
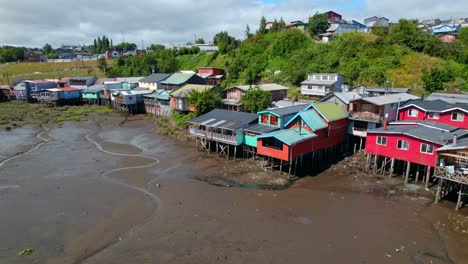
34, 23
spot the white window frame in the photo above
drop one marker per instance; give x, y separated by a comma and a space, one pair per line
458, 115
434, 115
427, 147
403, 144
324, 77
413, 109
380, 140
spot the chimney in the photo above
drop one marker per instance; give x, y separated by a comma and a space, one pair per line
455, 137
385, 122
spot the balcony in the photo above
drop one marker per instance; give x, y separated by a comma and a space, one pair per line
210, 135
366, 116
359, 132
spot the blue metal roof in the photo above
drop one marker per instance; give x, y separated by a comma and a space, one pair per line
311, 118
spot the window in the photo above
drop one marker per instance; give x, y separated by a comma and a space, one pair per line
272, 143
403, 144
233, 95
309, 87
381, 140
325, 78
458, 117
273, 120
427, 148
317, 77
264, 119
413, 112
433, 115
366, 107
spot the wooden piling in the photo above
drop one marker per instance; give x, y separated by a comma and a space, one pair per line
417, 174
459, 201
408, 167
439, 189
391, 168
428, 176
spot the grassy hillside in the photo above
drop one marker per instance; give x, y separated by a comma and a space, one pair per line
45, 70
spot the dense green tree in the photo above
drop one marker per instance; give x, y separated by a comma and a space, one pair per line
204, 101
435, 79
200, 41
52, 55
11, 54
463, 36
255, 100
47, 49
262, 27
247, 32
380, 31
407, 33
102, 64
156, 47
318, 24
225, 42
125, 46
281, 24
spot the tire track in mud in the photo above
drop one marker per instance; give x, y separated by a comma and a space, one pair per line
35, 147
145, 191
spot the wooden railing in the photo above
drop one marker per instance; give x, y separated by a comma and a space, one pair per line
457, 176
366, 116
231, 139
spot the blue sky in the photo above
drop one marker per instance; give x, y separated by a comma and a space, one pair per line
177, 21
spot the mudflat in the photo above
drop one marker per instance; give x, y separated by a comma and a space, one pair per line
103, 191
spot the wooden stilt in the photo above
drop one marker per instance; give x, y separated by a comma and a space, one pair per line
235, 152
295, 167
375, 163
408, 167
383, 166
360, 143
459, 201
227, 156
428, 176
439, 189
417, 174
391, 168
290, 167
281, 166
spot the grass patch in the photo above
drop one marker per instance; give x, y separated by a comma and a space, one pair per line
19, 114
174, 126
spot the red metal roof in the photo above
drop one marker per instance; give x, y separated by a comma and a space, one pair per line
68, 89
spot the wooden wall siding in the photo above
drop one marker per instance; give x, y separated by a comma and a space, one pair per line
272, 152
413, 154
444, 118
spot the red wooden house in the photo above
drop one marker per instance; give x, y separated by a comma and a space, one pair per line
320, 126
436, 111
234, 94
212, 76
333, 17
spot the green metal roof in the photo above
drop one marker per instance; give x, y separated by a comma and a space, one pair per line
186, 89
311, 118
290, 136
178, 78
330, 111
160, 95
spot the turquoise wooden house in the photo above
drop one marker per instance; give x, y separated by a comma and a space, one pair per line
91, 95
269, 120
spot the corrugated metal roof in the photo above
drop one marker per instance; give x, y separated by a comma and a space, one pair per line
69, 89
426, 124
390, 98
422, 132
345, 97
129, 79
384, 89
234, 120
284, 111
264, 87
330, 111
436, 105
160, 95
290, 136
185, 90
155, 78
259, 128
319, 82
311, 118
178, 78
449, 98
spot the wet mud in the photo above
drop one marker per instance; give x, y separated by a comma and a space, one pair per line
108, 191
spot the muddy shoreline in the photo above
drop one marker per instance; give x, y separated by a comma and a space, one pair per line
74, 201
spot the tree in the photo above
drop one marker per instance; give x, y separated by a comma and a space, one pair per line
463, 36
255, 100
102, 64
281, 24
407, 33
435, 79
204, 101
200, 41
47, 49
247, 32
224, 42
262, 28
379, 31
156, 47
318, 24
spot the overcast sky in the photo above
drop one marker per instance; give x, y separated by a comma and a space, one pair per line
34, 23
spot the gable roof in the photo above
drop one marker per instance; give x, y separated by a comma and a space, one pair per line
390, 98
155, 78
230, 120
290, 136
129, 79
178, 78
425, 123
160, 95
185, 90
330, 111
259, 128
284, 111
449, 98
264, 87
433, 135
435, 105
311, 118
345, 97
